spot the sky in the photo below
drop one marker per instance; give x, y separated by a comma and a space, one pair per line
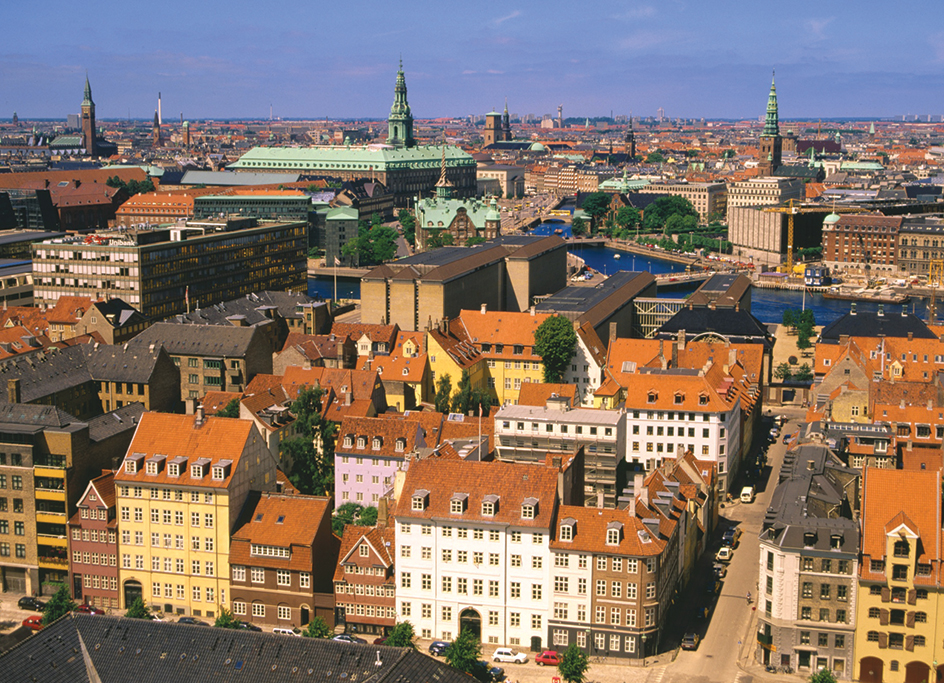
316, 59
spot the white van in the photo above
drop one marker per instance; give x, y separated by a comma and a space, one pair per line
287, 632
747, 494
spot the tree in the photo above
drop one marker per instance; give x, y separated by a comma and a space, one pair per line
231, 409
132, 187
138, 610
59, 604
472, 241
466, 399
783, 372
596, 205
578, 226
402, 635
823, 676
226, 619
788, 320
352, 513
804, 373
408, 221
312, 468
803, 339
317, 628
465, 652
627, 217
443, 392
573, 664
555, 341
658, 212
655, 158
368, 517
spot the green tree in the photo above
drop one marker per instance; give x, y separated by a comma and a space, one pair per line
408, 221
573, 664
226, 619
352, 513
466, 399
138, 610
804, 373
317, 628
383, 242
803, 339
368, 517
728, 154
555, 341
59, 604
822, 676
657, 213
443, 393
627, 217
311, 454
596, 205
231, 409
655, 158
472, 241
783, 372
578, 226
788, 319
132, 187
402, 635
465, 652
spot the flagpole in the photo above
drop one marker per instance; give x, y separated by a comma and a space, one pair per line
335, 280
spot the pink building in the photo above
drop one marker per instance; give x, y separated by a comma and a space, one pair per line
93, 545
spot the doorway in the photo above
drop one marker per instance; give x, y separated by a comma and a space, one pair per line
472, 620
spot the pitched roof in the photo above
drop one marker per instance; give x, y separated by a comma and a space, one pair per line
280, 520
199, 340
381, 540
537, 393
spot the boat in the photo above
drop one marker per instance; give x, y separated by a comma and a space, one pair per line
865, 295
616, 256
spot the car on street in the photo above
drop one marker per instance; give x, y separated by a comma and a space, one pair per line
88, 609
724, 554
690, 641
348, 638
380, 641
29, 602
547, 658
731, 537
508, 656
34, 622
787, 437
774, 433
439, 647
192, 621
249, 627
495, 673
719, 570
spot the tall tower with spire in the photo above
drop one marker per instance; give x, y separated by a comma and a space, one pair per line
506, 123
88, 120
630, 147
156, 130
400, 123
771, 144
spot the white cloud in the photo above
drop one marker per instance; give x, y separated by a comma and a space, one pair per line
502, 20
642, 12
817, 27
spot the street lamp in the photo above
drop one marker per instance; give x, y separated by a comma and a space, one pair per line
644, 649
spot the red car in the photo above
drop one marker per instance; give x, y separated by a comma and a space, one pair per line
88, 609
548, 657
34, 622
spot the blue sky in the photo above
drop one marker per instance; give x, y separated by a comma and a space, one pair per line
214, 59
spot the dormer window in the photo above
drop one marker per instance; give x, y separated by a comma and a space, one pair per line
567, 529
652, 397
400, 445
489, 505
362, 442
457, 504
902, 548
679, 399
529, 508
419, 500
173, 470
835, 541
809, 538
348, 441
703, 399
377, 443
132, 463
614, 533
221, 470
198, 470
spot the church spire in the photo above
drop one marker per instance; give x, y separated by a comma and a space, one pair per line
88, 92
443, 186
400, 123
772, 123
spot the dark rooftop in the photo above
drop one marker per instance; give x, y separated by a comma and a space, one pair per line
877, 324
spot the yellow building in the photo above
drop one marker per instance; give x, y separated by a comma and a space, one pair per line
506, 340
900, 609
450, 354
180, 489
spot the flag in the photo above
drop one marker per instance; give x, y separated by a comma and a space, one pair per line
187, 295
337, 261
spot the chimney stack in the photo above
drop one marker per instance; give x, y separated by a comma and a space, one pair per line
198, 421
382, 513
13, 391
483, 308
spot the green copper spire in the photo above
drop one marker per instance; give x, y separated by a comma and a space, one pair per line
400, 122
772, 124
88, 92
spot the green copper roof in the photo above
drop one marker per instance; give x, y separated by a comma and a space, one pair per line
831, 218
360, 158
342, 213
772, 123
623, 184
433, 213
87, 99
492, 214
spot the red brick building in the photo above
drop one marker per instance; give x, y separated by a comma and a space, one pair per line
282, 557
364, 581
93, 545
860, 242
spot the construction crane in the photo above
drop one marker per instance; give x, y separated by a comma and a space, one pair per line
791, 209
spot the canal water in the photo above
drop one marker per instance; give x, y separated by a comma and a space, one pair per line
767, 305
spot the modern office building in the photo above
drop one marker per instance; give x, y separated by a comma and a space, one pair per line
165, 271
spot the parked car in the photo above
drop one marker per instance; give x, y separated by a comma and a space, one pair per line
774, 433
719, 570
690, 641
787, 437
495, 673
507, 655
348, 638
192, 621
713, 588
88, 609
731, 537
747, 494
249, 627
290, 632
380, 641
724, 554
29, 602
439, 647
548, 658
34, 622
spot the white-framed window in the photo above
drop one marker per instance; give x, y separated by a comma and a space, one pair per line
257, 574
285, 612
239, 607
283, 577
258, 609
304, 580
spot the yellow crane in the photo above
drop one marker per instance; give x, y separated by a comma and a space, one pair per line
791, 209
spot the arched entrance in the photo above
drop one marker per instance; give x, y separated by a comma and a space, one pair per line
870, 670
305, 615
472, 620
132, 591
917, 672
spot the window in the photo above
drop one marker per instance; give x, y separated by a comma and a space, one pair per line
601, 587
257, 574
283, 577
515, 590
239, 573
405, 580
258, 609
824, 591
536, 590
806, 613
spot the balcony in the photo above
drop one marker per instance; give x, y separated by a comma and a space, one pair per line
48, 562
51, 517
57, 473
49, 539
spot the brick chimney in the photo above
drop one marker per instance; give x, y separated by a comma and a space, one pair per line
13, 391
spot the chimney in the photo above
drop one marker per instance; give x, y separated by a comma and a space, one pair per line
675, 352
531, 310
347, 398
681, 340
198, 421
910, 336
612, 331
77, 183
483, 308
382, 513
13, 391
600, 499
640, 492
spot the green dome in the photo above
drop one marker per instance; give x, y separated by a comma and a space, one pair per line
831, 219
537, 147
492, 213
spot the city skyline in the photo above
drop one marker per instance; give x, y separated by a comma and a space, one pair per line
230, 61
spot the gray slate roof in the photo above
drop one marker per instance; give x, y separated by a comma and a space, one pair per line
252, 307
81, 648
197, 340
35, 416
125, 363
117, 421
45, 373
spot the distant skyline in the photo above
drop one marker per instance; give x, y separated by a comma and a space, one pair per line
339, 60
